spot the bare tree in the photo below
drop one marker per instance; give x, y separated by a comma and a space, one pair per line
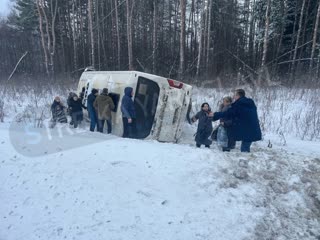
201, 39
74, 36
314, 41
118, 34
297, 40
209, 33
266, 36
129, 33
251, 44
90, 18
53, 32
182, 38
50, 30
284, 6
155, 36
45, 52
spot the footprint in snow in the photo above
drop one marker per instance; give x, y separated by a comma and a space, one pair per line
117, 163
146, 194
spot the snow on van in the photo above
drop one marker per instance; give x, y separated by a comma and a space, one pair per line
161, 104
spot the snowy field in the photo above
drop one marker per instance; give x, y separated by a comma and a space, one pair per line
92, 186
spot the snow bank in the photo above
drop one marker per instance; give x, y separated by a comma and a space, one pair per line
129, 189
92, 186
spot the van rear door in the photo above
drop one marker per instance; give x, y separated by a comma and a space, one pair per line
173, 105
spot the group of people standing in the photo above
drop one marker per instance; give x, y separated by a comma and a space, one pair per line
99, 107
238, 117
238, 122
74, 109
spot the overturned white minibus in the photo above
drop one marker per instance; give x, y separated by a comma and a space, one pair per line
161, 104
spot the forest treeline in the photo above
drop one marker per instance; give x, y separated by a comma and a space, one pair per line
228, 40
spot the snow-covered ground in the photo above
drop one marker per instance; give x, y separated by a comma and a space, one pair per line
113, 188
66, 184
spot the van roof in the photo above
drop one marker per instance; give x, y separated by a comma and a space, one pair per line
129, 72
121, 72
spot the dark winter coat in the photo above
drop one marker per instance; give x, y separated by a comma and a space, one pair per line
127, 105
76, 109
103, 105
245, 122
70, 98
90, 101
204, 128
58, 114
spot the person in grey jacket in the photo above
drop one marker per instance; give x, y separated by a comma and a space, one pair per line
128, 114
104, 105
226, 123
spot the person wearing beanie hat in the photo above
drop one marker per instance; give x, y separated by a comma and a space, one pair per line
91, 110
128, 114
105, 91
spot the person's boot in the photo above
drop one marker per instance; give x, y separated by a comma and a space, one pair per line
198, 145
207, 146
225, 149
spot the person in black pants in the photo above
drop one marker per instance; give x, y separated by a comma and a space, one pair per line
128, 114
91, 110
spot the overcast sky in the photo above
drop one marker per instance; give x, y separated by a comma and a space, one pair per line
4, 7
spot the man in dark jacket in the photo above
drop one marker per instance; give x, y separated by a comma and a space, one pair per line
245, 122
91, 110
128, 114
69, 100
76, 111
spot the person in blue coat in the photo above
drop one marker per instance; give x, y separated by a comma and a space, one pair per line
245, 122
128, 114
91, 110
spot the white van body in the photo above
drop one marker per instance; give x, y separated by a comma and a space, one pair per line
161, 104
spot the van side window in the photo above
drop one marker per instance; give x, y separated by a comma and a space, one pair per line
115, 98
